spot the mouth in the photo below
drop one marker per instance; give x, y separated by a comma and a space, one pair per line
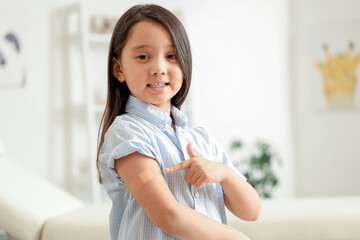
157, 84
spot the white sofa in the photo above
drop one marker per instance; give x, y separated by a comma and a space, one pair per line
335, 218
31, 208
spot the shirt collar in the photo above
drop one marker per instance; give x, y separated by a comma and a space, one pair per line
155, 115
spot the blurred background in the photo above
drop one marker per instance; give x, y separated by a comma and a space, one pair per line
254, 75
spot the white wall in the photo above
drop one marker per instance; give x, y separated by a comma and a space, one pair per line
240, 81
327, 142
240, 86
24, 111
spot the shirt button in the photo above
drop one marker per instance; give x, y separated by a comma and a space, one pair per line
161, 126
196, 194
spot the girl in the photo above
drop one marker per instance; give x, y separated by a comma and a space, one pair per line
166, 179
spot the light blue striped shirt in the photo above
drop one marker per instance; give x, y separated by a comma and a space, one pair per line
146, 129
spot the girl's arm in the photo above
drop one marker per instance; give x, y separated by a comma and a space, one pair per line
143, 178
240, 198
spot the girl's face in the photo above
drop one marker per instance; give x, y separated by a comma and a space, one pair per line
149, 65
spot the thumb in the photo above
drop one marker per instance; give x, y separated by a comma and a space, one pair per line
190, 151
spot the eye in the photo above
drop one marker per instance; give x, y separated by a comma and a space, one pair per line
172, 56
347, 79
142, 57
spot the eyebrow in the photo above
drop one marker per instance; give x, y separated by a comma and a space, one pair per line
147, 46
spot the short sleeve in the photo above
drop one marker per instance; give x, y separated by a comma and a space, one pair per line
122, 139
223, 156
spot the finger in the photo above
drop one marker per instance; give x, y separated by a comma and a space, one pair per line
190, 151
195, 178
189, 175
200, 182
180, 166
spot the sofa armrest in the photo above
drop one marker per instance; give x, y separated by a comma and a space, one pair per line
27, 200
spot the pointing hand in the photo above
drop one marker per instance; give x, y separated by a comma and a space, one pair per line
200, 170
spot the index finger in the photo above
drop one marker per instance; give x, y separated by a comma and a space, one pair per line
178, 167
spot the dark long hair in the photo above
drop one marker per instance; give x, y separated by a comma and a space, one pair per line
118, 93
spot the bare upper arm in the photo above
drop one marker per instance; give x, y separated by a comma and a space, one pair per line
154, 196
227, 203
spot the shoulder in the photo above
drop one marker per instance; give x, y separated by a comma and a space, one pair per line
125, 136
199, 131
125, 120
125, 128
125, 124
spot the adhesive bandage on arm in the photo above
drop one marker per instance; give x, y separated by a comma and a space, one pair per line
142, 178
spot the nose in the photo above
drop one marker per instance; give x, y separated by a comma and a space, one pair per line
158, 67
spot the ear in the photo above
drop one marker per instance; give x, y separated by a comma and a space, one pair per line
321, 66
116, 70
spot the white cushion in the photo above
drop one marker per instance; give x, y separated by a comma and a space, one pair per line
90, 223
301, 219
27, 200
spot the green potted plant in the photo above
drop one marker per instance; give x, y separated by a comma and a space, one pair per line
258, 167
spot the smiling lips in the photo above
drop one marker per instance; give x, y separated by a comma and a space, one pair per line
157, 85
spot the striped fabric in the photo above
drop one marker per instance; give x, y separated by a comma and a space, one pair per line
147, 129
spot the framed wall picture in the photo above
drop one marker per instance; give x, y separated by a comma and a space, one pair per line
335, 65
12, 49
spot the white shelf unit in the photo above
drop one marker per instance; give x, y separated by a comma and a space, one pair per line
80, 64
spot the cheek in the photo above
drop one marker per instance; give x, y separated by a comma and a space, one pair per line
134, 72
178, 74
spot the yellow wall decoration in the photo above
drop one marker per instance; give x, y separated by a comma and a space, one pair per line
339, 77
